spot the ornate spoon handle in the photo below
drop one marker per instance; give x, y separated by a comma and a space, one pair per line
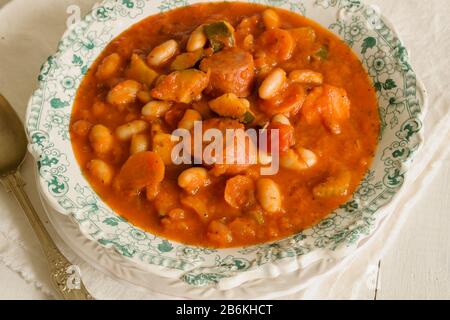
64, 275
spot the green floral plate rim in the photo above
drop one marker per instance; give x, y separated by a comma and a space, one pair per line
401, 102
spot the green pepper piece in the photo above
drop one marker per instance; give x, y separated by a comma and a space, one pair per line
248, 118
220, 35
323, 53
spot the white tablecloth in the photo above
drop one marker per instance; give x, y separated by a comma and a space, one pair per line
29, 32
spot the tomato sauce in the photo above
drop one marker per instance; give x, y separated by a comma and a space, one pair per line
343, 144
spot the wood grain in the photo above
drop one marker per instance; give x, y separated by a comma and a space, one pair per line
418, 264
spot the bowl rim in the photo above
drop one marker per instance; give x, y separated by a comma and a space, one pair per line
236, 270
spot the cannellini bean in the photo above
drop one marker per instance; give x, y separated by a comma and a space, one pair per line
271, 19
123, 93
101, 171
269, 195
273, 84
109, 67
101, 139
279, 118
308, 157
82, 128
127, 131
306, 77
264, 158
189, 119
139, 143
162, 53
193, 179
156, 109
299, 159
197, 40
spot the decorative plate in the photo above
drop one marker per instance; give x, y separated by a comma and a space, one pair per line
401, 99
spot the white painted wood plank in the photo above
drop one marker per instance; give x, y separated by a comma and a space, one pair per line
418, 264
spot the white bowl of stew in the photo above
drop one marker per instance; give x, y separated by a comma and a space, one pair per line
129, 75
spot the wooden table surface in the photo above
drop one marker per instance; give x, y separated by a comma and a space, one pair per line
417, 265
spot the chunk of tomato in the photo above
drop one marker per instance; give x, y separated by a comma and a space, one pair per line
141, 170
286, 137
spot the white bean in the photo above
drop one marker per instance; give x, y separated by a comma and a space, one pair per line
308, 156
298, 160
189, 119
193, 179
123, 93
264, 158
139, 143
279, 118
197, 40
101, 139
109, 67
271, 19
127, 131
269, 195
273, 83
101, 171
156, 109
306, 77
162, 53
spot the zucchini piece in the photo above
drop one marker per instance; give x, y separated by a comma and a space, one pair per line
304, 36
229, 106
140, 71
220, 35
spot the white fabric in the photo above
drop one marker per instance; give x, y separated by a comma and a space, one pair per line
29, 32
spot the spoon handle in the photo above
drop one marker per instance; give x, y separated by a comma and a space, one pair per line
63, 274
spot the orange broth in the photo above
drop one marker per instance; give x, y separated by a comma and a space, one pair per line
353, 149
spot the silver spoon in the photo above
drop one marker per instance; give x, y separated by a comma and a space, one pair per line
13, 148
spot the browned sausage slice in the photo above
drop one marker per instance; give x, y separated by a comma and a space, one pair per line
232, 71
